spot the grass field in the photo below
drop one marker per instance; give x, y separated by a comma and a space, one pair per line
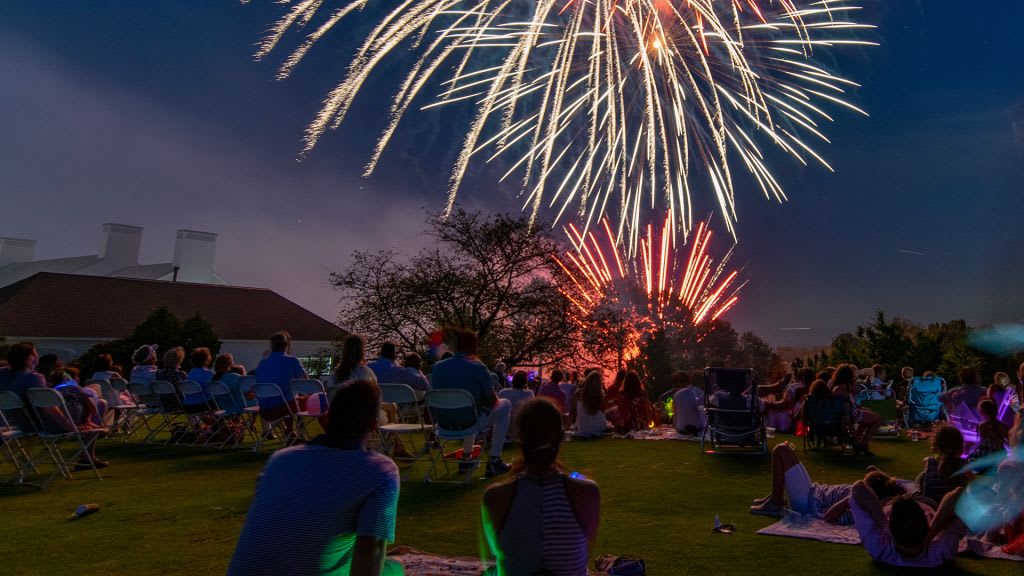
176, 510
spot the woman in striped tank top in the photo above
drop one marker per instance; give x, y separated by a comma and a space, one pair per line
541, 522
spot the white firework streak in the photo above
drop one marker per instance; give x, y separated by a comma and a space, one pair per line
602, 106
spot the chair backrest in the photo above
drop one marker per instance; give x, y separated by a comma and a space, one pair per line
401, 394
825, 414
223, 397
189, 387
923, 399
452, 409
48, 400
735, 392
735, 381
106, 391
13, 412
142, 392
119, 384
305, 387
269, 395
162, 387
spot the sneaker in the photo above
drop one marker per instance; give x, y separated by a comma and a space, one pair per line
497, 467
759, 501
468, 466
769, 508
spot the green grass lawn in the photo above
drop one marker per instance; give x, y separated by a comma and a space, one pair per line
176, 510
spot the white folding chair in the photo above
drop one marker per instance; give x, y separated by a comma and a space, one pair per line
230, 412
282, 426
305, 388
117, 416
392, 434
171, 408
47, 402
194, 418
12, 432
454, 414
147, 409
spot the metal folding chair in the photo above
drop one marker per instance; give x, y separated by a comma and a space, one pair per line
392, 434
302, 389
148, 409
736, 424
230, 412
195, 418
13, 431
455, 418
45, 402
171, 408
284, 426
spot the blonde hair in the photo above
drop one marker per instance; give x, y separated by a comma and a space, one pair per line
174, 357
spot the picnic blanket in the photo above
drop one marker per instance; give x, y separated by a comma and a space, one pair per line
419, 563
808, 527
658, 433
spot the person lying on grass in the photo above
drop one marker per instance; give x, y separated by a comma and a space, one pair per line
327, 506
542, 521
829, 502
904, 531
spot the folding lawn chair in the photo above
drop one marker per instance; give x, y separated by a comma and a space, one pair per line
14, 429
736, 423
148, 409
827, 421
46, 402
173, 408
923, 404
283, 425
232, 421
304, 389
392, 434
195, 418
454, 414
117, 417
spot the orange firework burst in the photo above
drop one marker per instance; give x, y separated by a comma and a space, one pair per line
655, 282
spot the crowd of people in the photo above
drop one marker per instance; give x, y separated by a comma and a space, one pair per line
539, 519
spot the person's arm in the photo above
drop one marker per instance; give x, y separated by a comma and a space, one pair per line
487, 397
866, 500
833, 514
944, 517
368, 556
586, 502
300, 372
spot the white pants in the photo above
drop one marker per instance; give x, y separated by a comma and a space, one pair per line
496, 421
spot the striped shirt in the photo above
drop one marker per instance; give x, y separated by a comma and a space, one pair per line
825, 496
931, 484
559, 547
311, 503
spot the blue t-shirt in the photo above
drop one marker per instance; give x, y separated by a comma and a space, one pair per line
311, 503
464, 373
280, 368
201, 376
388, 371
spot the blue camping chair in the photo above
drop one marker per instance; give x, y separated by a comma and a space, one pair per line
923, 403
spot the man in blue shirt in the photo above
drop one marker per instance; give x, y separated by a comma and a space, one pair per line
464, 371
280, 367
388, 371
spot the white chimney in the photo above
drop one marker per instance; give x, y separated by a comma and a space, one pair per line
193, 255
120, 245
16, 250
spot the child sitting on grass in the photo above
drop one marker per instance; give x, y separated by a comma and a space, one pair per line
943, 474
992, 436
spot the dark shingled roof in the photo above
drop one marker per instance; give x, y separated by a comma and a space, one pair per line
74, 306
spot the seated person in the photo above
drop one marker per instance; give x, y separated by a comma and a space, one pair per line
202, 375
541, 521
103, 368
633, 409
688, 405
356, 498
734, 394
943, 474
464, 371
416, 379
867, 421
517, 395
963, 400
172, 373
225, 370
387, 370
783, 412
900, 533
993, 436
553, 389
590, 418
145, 368
902, 388
84, 404
828, 502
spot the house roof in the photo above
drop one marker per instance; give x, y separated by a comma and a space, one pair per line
51, 305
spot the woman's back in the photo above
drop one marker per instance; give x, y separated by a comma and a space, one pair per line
560, 546
590, 424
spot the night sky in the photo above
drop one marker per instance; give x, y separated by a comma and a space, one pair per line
154, 114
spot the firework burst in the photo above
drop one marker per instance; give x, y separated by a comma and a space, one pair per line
655, 283
604, 107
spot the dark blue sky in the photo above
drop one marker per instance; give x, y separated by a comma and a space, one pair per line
155, 114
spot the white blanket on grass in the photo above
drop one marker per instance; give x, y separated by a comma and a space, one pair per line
808, 527
418, 563
658, 433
